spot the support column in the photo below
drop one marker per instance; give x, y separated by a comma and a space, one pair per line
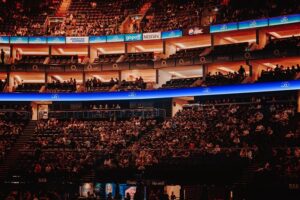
120, 76
157, 76
126, 48
46, 79
11, 51
257, 36
298, 101
83, 79
50, 50
164, 46
212, 41
250, 69
7, 78
261, 39
204, 70
89, 51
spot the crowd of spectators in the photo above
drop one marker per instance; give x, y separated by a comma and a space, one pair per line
96, 85
252, 131
29, 87
25, 17
137, 85
279, 73
182, 83
85, 17
32, 59
107, 58
282, 44
235, 10
94, 17
9, 132
81, 140
225, 79
63, 60
170, 15
59, 86
261, 130
2, 84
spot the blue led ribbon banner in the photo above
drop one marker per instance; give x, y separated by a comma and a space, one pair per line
154, 94
4, 40
171, 34
224, 27
253, 24
37, 40
288, 19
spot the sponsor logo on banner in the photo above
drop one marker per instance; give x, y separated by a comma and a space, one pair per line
295, 18
253, 24
152, 36
37, 40
195, 31
223, 27
133, 37
115, 38
4, 39
97, 39
171, 34
56, 40
19, 40
77, 40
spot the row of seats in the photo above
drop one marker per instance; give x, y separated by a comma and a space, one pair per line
181, 83
29, 87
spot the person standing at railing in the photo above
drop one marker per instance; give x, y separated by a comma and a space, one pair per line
2, 56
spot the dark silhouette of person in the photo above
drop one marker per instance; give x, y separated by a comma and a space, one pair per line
2, 56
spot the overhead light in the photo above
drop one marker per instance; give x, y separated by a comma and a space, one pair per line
230, 39
276, 35
110, 52
34, 81
100, 78
72, 52
226, 69
183, 46
177, 74
148, 50
18, 78
31, 52
269, 65
58, 78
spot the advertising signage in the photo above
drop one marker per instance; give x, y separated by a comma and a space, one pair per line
4, 39
77, 40
223, 27
152, 36
288, 19
56, 40
253, 24
97, 39
171, 34
18, 40
133, 37
37, 40
115, 38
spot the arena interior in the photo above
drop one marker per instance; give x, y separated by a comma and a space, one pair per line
149, 99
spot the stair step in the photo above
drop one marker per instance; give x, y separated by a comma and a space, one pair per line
14, 153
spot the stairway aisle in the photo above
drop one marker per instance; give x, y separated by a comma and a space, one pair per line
13, 154
63, 9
